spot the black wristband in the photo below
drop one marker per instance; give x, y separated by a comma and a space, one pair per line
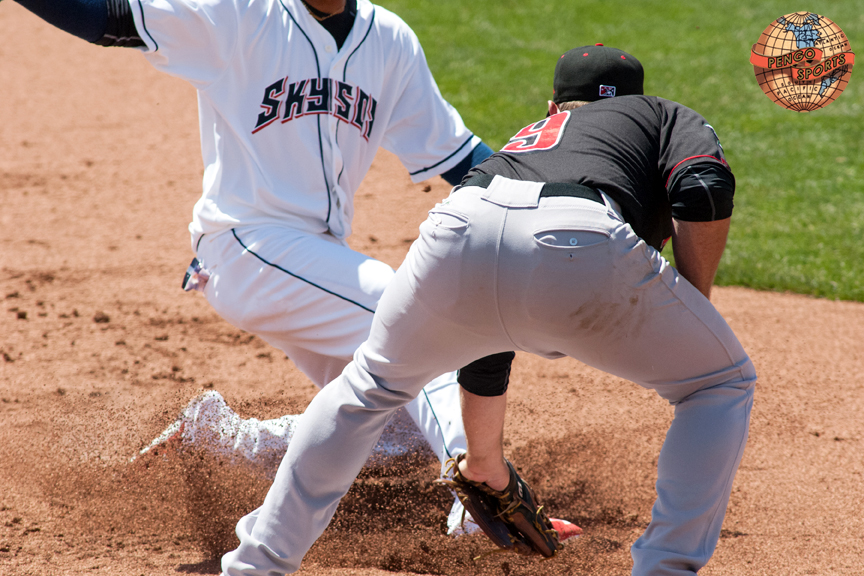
121, 30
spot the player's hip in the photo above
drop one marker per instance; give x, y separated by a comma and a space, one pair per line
316, 258
276, 280
479, 257
566, 277
510, 225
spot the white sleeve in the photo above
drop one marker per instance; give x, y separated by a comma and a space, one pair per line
191, 39
425, 131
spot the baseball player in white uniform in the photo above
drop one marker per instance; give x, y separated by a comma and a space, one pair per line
295, 98
550, 246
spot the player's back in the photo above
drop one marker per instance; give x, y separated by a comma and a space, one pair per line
626, 146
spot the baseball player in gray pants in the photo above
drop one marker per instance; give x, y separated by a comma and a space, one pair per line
551, 246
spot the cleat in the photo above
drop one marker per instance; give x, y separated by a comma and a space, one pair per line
565, 529
205, 411
168, 442
460, 523
209, 426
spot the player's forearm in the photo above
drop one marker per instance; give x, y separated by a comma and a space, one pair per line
698, 247
87, 19
104, 22
483, 417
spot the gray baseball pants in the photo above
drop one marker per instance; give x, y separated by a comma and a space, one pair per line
502, 269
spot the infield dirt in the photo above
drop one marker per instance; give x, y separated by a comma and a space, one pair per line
100, 349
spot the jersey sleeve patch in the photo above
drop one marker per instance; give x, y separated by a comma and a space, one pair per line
543, 135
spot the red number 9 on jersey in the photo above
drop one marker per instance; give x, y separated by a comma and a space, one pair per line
542, 135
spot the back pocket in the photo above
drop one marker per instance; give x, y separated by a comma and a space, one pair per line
449, 219
564, 239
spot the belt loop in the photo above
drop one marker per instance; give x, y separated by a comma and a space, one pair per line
513, 193
524, 194
611, 205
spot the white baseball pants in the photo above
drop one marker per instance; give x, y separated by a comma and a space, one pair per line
503, 269
313, 297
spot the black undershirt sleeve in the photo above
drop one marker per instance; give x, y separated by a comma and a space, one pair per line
487, 376
103, 22
86, 19
455, 175
702, 192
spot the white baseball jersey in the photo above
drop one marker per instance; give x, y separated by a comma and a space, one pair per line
289, 124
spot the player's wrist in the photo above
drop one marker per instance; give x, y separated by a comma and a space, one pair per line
490, 470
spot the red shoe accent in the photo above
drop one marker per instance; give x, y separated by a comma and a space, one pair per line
565, 529
172, 443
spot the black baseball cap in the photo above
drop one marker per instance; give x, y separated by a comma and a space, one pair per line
596, 72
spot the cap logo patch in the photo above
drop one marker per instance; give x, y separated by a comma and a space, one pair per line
607, 91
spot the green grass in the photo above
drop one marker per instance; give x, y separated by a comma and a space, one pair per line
800, 197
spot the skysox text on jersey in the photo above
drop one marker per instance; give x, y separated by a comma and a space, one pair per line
317, 96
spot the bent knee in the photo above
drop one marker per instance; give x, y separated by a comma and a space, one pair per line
741, 376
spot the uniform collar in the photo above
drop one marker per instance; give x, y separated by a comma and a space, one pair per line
365, 16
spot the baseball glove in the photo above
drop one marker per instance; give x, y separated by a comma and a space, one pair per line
512, 518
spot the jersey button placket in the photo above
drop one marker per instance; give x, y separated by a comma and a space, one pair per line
336, 152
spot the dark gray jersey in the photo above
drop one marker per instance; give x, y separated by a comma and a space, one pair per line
658, 159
